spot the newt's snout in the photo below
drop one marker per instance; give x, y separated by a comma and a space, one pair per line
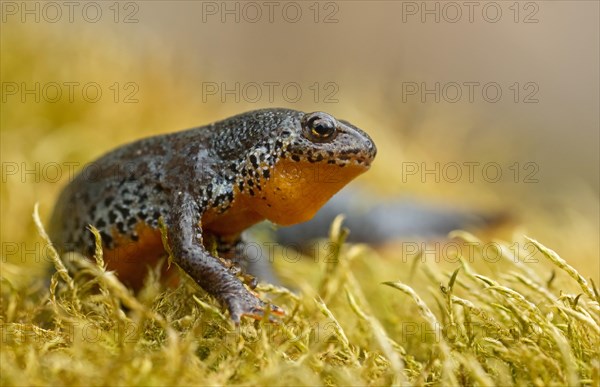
355, 145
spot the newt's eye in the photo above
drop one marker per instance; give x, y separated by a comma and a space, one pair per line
319, 126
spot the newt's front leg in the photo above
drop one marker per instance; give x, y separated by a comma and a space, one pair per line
185, 241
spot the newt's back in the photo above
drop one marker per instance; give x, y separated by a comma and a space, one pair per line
125, 187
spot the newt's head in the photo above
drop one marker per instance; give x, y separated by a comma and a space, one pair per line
315, 156
319, 138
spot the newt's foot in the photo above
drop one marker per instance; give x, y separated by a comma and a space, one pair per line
247, 304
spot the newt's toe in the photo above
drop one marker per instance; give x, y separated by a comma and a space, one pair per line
249, 305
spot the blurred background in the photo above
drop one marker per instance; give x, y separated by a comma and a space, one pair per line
491, 106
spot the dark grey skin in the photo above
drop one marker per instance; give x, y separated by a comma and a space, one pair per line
207, 183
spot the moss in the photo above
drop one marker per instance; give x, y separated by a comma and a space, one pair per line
88, 329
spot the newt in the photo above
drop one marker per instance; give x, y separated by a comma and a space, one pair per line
207, 185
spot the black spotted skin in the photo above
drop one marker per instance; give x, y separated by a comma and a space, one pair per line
215, 181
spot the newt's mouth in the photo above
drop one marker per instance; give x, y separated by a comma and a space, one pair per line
365, 161
362, 157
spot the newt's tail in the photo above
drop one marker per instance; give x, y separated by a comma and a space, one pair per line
376, 221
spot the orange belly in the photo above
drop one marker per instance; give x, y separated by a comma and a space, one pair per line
132, 260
